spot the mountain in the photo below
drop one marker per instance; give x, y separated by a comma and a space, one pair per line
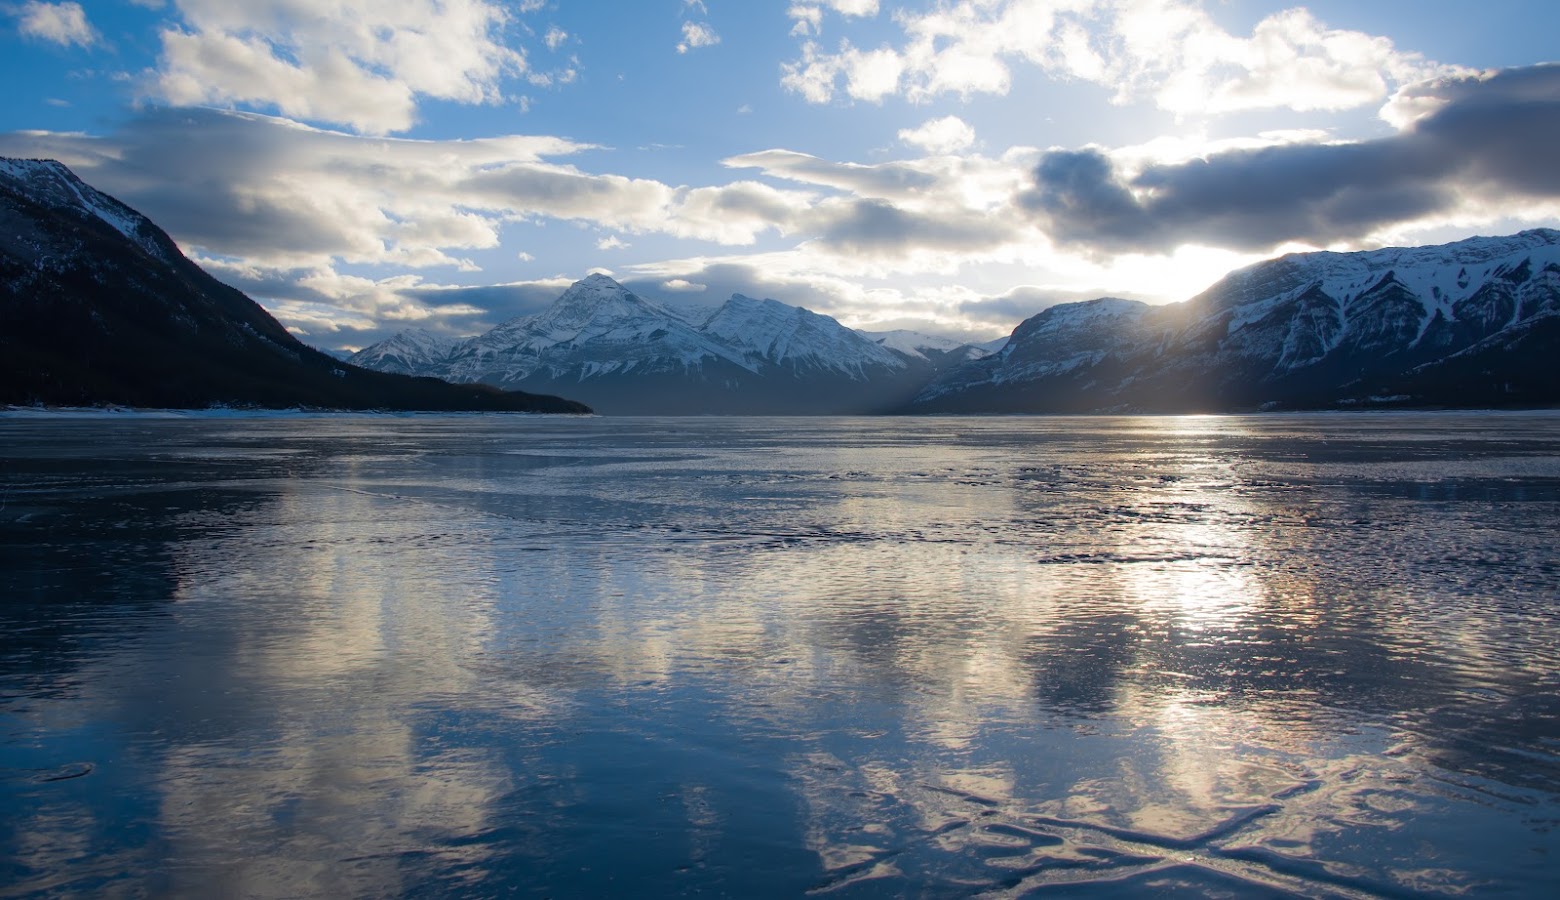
626, 354
940, 351
99, 306
406, 353
1474, 323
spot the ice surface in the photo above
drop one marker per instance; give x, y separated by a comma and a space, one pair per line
1241, 656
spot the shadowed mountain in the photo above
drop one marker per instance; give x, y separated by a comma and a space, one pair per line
99, 306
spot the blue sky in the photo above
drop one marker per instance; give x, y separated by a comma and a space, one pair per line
364, 166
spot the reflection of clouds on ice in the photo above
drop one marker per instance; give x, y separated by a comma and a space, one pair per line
368, 639
313, 736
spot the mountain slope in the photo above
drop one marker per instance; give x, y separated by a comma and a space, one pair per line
1309, 330
98, 305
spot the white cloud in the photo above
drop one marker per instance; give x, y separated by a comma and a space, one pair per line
808, 16
869, 75
696, 34
808, 19
857, 8
948, 134
360, 63
682, 286
555, 37
611, 242
59, 23
1170, 52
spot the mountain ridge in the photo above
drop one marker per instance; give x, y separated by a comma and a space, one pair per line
1315, 330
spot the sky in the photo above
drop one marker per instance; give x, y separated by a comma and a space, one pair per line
361, 167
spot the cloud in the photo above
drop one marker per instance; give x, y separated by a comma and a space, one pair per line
1018, 304
808, 19
497, 302
555, 37
882, 180
359, 63
1485, 143
869, 75
281, 194
808, 16
611, 242
948, 134
877, 227
853, 7
59, 23
696, 34
1168, 51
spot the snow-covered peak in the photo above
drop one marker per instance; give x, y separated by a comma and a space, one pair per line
592, 307
1087, 314
407, 352
779, 333
596, 323
52, 183
916, 344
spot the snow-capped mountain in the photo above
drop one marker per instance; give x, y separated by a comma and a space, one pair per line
939, 350
1470, 323
597, 328
773, 334
407, 353
98, 305
624, 353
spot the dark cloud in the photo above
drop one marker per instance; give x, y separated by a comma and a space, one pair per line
877, 226
185, 169
1492, 136
721, 280
1017, 305
500, 302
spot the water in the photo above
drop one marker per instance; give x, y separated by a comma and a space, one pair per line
492, 656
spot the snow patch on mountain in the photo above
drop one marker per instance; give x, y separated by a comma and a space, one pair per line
55, 185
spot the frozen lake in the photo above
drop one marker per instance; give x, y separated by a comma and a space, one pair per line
483, 656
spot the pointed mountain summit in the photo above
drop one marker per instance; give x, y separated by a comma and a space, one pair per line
99, 306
